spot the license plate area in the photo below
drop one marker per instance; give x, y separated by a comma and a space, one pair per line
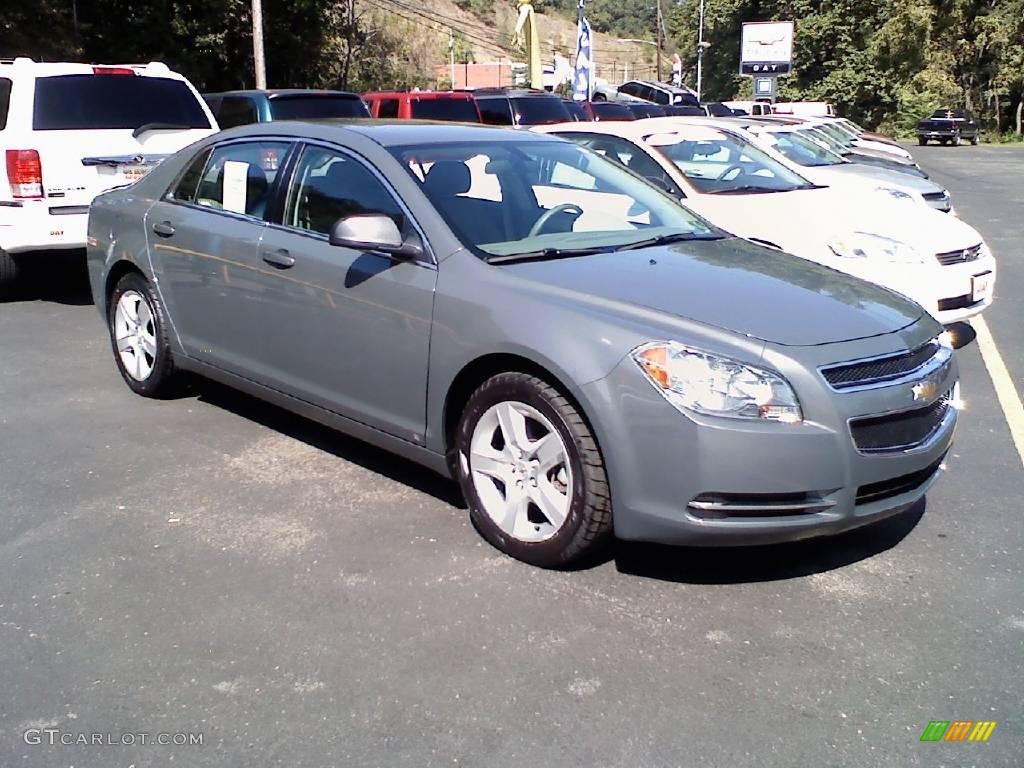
981, 286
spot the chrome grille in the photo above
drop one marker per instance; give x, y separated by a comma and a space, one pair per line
900, 431
959, 257
880, 369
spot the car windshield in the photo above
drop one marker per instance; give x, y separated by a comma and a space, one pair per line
837, 134
104, 102
539, 110
314, 107
543, 199
820, 137
716, 162
457, 110
802, 150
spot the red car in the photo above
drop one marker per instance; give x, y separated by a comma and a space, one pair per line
454, 106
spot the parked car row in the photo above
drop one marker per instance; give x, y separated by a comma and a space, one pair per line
681, 329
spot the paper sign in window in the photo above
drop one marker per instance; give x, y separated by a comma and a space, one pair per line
236, 175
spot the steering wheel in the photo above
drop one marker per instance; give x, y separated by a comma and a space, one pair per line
739, 171
549, 214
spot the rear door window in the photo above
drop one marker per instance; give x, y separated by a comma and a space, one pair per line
317, 106
540, 110
236, 110
457, 110
239, 177
495, 111
185, 190
108, 102
387, 108
5, 101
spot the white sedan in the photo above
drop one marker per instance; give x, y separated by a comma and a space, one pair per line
938, 260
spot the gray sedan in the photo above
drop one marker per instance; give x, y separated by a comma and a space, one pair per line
582, 354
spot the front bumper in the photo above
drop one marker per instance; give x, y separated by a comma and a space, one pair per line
670, 473
34, 225
951, 293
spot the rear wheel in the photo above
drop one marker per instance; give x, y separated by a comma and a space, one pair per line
532, 473
138, 336
8, 273
921, 140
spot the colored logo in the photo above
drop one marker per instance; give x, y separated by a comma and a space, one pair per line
958, 730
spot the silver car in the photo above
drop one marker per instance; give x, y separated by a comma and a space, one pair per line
582, 354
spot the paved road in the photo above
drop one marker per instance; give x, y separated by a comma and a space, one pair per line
212, 565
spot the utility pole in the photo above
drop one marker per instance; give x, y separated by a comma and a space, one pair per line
257, 44
700, 48
451, 54
658, 39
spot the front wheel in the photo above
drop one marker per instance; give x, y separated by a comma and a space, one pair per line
138, 335
532, 473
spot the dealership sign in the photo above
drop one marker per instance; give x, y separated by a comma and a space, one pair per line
767, 48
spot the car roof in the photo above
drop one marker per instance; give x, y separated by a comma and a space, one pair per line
51, 68
454, 95
386, 133
275, 92
637, 129
515, 93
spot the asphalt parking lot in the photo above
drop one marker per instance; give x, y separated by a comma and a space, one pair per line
213, 565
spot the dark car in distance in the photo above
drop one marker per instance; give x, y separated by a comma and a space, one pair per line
949, 126
520, 106
234, 108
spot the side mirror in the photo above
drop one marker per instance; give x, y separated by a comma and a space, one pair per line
374, 232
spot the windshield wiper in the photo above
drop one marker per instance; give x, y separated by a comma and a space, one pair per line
747, 189
545, 253
145, 127
665, 239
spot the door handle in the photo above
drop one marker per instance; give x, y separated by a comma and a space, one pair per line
163, 228
279, 258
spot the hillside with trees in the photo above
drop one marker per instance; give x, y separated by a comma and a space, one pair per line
883, 63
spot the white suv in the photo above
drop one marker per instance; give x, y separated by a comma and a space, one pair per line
71, 131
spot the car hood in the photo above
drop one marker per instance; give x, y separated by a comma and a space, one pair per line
734, 285
832, 213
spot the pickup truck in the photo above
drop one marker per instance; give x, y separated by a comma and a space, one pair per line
948, 126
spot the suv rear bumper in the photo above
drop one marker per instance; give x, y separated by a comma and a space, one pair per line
33, 225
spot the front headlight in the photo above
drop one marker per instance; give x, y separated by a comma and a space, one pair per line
864, 245
693, 380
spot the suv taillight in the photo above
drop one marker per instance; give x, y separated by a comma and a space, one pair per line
25, 173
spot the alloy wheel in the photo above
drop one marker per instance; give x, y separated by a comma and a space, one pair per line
520, 469
135, 335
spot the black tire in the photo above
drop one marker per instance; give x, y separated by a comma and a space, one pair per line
162, 378
588, 524
922, 141
8, 273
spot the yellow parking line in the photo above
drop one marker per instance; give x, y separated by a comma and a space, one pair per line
1009, 399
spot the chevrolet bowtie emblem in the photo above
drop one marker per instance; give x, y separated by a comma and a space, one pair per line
924, 390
